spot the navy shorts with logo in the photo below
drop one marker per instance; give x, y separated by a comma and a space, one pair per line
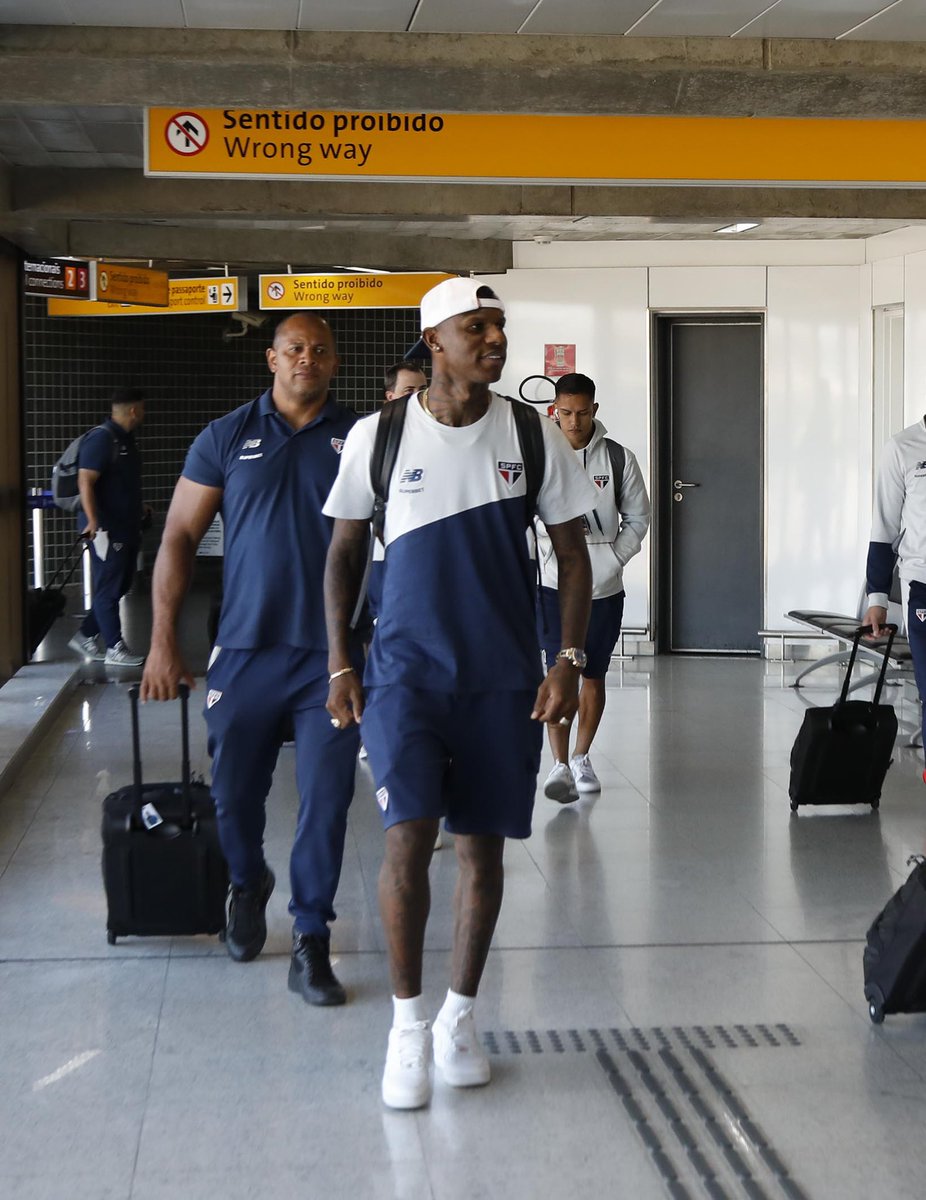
604, 628
470, 757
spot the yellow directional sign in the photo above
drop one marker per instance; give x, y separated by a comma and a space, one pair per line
295, 143
346, 291
209, 295
130, 285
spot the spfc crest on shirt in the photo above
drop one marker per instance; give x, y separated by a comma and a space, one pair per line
511, 472
337, 445
921, 614
601, 481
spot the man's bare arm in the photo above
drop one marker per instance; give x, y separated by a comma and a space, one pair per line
558, 694
344, 568
191, 512
86, 486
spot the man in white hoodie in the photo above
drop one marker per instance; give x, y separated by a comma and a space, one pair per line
614, 532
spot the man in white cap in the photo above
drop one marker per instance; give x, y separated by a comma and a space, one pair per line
454, 697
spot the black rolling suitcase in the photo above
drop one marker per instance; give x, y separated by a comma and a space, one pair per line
842, 753
46, 604
894, 960
162, 864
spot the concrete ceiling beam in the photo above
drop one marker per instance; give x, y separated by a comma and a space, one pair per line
245, 247
460, 73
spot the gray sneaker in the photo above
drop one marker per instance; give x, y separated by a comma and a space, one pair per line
121, 656
86, 647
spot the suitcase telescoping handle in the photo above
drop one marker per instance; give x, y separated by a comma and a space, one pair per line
861, 632
184, 693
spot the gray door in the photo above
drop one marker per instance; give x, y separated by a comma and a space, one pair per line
711, 484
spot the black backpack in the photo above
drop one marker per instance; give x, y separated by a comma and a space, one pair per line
618, 458
386, 451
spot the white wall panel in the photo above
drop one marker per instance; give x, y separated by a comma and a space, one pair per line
704, 253
707, 287
604, 314
914, 336
815, 545
887, 281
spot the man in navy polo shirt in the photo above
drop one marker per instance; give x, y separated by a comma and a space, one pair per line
268, 467
110, 518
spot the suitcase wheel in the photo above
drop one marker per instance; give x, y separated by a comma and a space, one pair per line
875, 1003
875, 805
876, 1012
110, 937
794, 806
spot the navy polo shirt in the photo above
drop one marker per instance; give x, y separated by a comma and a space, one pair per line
274, 481
110, 450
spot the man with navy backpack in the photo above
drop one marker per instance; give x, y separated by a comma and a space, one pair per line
110, 518
614, 532
452, 706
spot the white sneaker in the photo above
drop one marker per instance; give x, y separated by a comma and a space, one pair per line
407, 1077
87, 647
458, 1054
121, 656
439, 840
584, 774
560, 785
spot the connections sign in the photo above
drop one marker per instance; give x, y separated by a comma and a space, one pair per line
530, 148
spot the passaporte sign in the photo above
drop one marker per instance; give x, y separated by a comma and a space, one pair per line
531, 148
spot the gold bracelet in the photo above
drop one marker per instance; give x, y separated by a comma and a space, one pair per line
337, 674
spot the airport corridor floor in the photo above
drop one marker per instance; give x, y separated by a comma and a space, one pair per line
672, 1005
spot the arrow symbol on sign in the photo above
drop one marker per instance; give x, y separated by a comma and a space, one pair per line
226, 293
190, 128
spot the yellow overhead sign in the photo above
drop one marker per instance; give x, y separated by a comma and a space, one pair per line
184, 296
345, 291
120, 284
502, 148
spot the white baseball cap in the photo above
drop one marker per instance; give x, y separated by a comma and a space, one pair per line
450, 299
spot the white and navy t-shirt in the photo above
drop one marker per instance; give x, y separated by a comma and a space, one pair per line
457, 609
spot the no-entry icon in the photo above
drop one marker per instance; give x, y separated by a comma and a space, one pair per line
187, 133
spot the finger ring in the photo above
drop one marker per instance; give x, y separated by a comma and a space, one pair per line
564, 720
335, 722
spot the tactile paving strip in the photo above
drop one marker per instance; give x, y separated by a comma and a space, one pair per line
699, 1134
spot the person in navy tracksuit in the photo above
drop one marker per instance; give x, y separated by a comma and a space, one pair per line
268, 466
110, 518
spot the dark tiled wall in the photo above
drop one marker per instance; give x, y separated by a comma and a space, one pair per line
72, 364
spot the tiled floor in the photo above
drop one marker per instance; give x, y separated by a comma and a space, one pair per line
674, 997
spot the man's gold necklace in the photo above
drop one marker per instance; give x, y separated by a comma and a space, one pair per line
427, 407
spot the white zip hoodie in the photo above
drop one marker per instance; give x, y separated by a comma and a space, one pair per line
612, 540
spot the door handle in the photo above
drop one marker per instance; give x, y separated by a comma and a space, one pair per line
679, 484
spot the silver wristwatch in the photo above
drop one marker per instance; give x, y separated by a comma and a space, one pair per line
577, 657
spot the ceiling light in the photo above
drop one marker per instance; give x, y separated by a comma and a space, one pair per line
738, 227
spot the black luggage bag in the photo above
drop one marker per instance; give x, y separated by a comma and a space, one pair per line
842, 752
46, 604
162, 863
894, 960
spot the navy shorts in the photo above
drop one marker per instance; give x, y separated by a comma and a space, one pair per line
604, 628
470, 757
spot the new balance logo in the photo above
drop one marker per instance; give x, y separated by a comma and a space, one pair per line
601, 481
412, 475
511, 472
250, 444
212, 698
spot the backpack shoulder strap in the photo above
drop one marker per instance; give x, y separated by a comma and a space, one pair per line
385, 452
618, 460
530, 439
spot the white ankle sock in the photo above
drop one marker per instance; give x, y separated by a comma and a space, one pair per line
455, 1006
407, 1012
